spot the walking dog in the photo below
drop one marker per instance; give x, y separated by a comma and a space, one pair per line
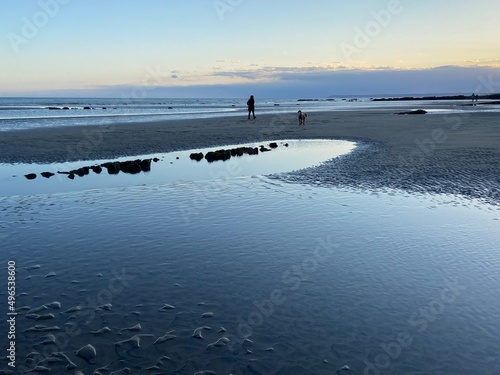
302, 118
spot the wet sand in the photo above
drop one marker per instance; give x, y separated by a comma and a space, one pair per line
457, 153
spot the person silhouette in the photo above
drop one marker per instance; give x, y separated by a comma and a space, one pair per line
251, 107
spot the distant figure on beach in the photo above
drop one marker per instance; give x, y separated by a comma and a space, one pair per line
474, 97
251, 107
302, 117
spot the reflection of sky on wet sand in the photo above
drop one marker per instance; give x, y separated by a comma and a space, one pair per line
298, 155
345, 270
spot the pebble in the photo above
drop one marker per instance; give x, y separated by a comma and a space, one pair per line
54, 305
49, 339
101, 331
73, 309
106, 307
87, 352
167, 307
197, 332
37, 309
45, 316
42, 328
220, 342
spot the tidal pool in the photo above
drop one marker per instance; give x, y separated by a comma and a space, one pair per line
173, 167
251, 275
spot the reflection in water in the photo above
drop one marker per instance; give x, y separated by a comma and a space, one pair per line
170, 167
250, 275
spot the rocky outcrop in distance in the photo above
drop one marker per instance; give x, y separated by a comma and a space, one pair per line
416, 112
450, 97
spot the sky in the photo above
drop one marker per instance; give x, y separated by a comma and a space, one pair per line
232, 48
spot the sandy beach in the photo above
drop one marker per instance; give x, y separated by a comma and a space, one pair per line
310, 271
457, 153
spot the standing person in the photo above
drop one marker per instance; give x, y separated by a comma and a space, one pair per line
251, 107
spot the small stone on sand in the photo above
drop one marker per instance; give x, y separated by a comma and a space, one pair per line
101, 331
87, 352
167, 307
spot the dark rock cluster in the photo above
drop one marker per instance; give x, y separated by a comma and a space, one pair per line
417, 112
144, 165
114, 167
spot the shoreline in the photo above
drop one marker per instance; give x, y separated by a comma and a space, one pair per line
455, 153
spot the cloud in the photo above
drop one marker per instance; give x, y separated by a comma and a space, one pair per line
494, 62
317, 82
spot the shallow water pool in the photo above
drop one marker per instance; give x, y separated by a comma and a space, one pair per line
251, 275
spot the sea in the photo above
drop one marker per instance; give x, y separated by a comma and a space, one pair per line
249, 266
28, 113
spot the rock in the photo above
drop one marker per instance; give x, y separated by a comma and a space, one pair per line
145, 165
112, 167
223, 155
30, 176
87, 352
263, 149
101, 331
252, 150
131, 167
47, 174
417, 112
167, 307
87, 108
156, 160
96, 168
196, 156
237, 151
273, 145
81, 171
71, 176
65, 107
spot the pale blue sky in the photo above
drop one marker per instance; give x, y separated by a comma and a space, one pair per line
102, 46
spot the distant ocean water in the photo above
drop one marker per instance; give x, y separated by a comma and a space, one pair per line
29, 113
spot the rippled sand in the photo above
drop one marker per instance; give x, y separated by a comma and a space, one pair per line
456, 152
262, 277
